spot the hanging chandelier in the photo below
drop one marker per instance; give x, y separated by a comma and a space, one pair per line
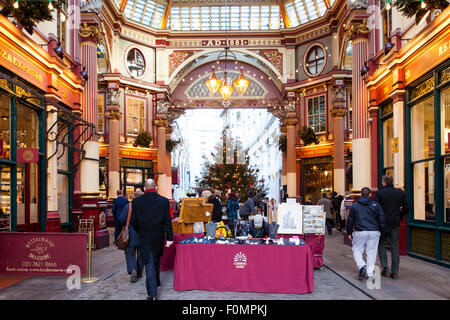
225, 86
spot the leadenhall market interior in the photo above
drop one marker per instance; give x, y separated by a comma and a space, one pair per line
354, 88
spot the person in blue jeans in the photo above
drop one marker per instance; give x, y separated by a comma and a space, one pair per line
132, 252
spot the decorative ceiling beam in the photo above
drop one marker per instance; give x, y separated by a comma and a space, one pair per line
123, 4
166, 15
327, 3
284, 15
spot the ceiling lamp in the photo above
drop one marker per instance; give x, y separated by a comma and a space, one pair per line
241, 83
226, 90
213, 83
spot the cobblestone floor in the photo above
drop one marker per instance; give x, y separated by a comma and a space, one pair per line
418, 280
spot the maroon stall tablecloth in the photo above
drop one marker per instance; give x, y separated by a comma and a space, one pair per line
315, 242
250, 268
167, 260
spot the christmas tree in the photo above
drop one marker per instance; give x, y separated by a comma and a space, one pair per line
231, 170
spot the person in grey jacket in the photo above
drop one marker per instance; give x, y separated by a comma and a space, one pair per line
365, 222
248, 207
326, 203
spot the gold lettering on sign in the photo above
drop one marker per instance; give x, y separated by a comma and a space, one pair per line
20, 64
444, 48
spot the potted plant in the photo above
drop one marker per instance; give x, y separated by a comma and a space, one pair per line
282, 143
170, 144
143, 139
308, 135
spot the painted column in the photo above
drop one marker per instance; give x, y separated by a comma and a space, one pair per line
283, 129
291, 175
169, 131
92, 206
161, 123
113, 115
339, 111
361, 135
90, 167
53, 221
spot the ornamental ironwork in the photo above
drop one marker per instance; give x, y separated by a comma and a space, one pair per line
422, 89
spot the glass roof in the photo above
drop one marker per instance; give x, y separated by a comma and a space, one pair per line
262, 16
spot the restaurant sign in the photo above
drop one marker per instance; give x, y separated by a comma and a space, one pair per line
308, 152
42, 254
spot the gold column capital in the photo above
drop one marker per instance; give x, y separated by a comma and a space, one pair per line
113, 114
160, 123
339, 112
90, 31
291, 121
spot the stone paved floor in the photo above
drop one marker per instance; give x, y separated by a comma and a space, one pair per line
418, 280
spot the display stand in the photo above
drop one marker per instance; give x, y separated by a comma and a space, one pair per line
193, 210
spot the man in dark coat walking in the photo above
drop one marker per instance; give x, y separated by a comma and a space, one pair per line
150, 217
395, 207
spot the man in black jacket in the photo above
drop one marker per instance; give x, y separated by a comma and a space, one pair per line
395, 207
150, 217
366, 217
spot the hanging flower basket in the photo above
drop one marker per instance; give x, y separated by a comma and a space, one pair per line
143, 139
282, 143
170, 144
307, 135
29, 13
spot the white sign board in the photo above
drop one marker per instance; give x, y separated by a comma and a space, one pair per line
313, 220
290, 218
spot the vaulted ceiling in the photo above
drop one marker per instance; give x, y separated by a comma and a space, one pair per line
221, 15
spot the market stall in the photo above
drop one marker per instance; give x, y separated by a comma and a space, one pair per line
244, 267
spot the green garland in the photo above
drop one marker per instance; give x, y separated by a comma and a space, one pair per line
30, 13
282, 143
414, 8
170, 144
307, 135
143, 139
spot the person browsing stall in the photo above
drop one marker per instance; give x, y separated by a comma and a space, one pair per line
258, 227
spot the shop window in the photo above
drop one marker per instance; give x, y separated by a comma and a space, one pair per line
424, 190
63, 197
422, 130
387, 21
317, 114
388, 138
135, 115
318, 177
315, 61
101, 113
445, 148
27, 127
445, 121
5, 198
135, 63
5, 126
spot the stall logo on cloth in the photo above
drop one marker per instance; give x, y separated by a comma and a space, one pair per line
240, 260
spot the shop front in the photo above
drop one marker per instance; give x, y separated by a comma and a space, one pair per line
413, 100
316, 171
136, 166
22, 158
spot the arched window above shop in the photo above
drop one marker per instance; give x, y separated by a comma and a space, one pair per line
135, 63
315, 60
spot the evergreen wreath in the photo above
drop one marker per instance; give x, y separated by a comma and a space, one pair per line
411, 8
170, 144
30, 13
282, 143
143, 139
307, 135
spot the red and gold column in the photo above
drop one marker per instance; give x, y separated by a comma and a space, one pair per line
339, 111
161, 172
283, 129
169, 131
291, 174
361, 132
113, 115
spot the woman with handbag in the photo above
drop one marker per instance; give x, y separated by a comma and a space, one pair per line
130, 238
